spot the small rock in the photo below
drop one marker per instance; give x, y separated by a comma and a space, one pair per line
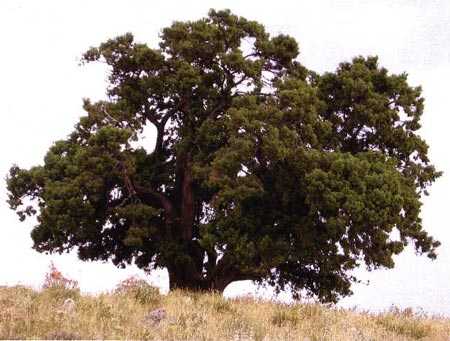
156, 316
68, 305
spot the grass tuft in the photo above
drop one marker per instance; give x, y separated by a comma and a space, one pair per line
405, 323
285, 316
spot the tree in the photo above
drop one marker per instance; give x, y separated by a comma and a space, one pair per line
262, 169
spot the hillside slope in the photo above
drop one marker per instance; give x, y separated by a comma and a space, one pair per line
58, 312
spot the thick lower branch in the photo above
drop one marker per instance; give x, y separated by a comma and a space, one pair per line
163, 201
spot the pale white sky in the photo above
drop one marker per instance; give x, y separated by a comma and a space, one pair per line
41, 87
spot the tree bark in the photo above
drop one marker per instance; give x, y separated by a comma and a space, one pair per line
187, 201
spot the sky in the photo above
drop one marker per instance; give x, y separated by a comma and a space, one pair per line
42, 86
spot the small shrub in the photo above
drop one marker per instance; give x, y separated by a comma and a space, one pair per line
140, 290
54, 278
58, 286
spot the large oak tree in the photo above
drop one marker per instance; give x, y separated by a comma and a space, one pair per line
262, 169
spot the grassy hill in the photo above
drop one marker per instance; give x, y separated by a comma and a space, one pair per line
59, 311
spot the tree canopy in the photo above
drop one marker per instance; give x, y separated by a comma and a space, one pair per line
261, 169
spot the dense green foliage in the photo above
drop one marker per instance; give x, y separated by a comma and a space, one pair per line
261, 170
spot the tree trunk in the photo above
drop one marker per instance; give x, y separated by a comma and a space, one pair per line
182, 280
187, 202
184, 274
186, 265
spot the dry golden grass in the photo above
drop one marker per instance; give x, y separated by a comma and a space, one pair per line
30, 314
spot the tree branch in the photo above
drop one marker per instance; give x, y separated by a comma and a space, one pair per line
165, 203
136, 189
160, 125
